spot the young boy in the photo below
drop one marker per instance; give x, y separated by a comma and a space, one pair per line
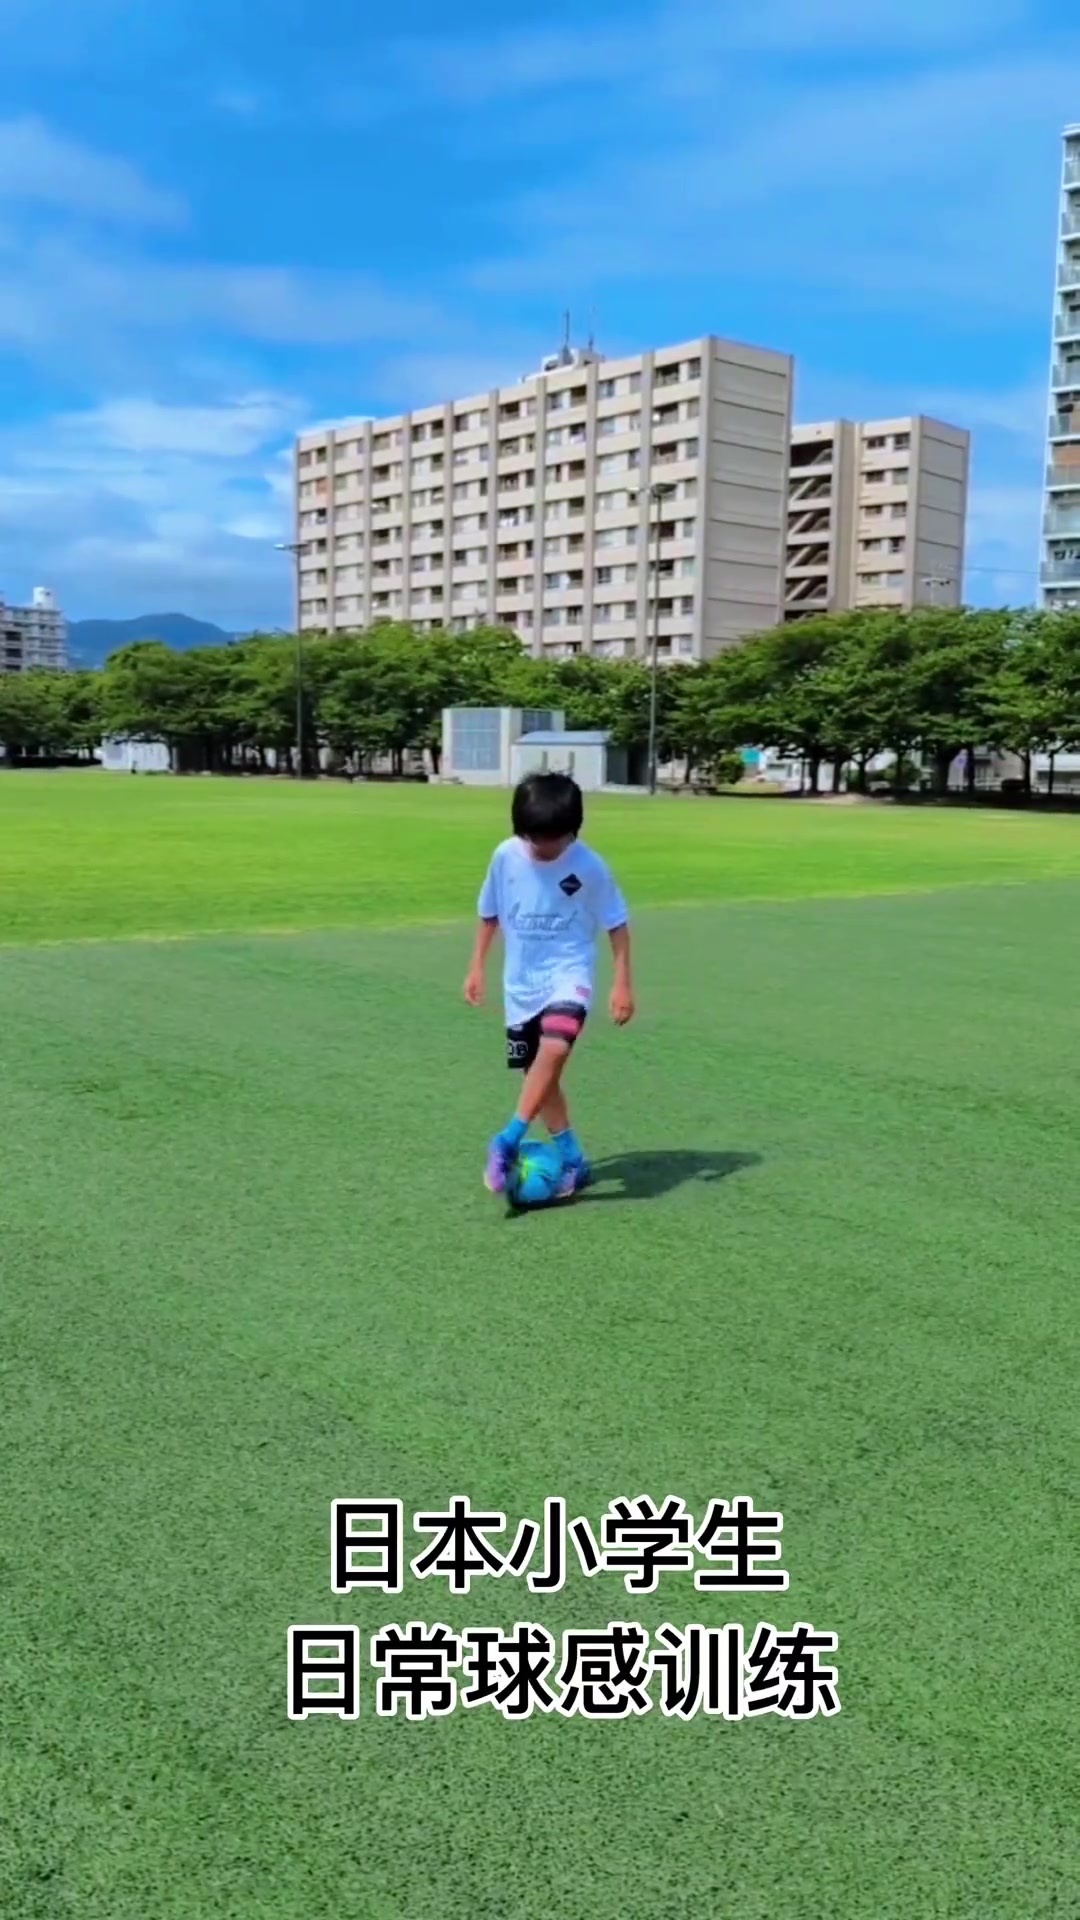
552, 897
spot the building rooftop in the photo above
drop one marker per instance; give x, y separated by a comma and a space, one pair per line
565, 739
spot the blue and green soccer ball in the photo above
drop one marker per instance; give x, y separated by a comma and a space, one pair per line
536, 1175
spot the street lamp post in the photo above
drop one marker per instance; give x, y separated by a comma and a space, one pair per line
659, 491
934, 582
294, 547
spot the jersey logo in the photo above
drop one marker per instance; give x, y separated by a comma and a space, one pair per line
570, 885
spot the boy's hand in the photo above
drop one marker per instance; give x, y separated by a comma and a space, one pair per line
474, 987
621, 1004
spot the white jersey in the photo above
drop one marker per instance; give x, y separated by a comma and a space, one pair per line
551, 913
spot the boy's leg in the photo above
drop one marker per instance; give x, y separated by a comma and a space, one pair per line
549, 1043
555, 1113
556, 1117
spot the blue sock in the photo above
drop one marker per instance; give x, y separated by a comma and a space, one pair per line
570, 1147
513, 1135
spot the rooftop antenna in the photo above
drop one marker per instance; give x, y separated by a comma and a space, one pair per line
567, 350
592, 331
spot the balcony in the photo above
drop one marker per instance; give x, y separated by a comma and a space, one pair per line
1069, 272
1065, 426
1067, 325
1072, 172
1068, 478
806, 494
1066, 376
1060, 573
1062, 520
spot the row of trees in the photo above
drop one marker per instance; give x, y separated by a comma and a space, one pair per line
840, 690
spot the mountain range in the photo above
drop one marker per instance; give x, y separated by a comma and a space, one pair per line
90, 642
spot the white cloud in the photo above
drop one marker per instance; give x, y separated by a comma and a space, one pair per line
681, 46
40, 168
890, 194
227, 431
107, 306
137, 502
1017, 414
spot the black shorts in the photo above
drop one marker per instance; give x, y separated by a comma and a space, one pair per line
561, 1021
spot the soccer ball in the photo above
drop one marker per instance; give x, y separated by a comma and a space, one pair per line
535, 1176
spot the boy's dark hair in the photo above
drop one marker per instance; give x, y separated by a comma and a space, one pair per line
546, 806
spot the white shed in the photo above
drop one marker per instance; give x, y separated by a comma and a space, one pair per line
478, 742
134, 756
589, 758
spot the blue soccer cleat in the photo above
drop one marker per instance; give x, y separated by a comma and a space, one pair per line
576, 1177
499, 1162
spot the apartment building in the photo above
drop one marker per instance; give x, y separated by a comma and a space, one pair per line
33, 636
1059, 575
877, 515
580, 507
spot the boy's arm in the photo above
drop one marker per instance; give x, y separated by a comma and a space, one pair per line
622, 988
616, 920
488, 909
482, 945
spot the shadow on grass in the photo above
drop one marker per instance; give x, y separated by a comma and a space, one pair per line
647, 1176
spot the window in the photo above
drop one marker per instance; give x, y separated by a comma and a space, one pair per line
874, 513
897, 512
875, 442
900, 441
692, 370
604, 576
869, 579
876, 478
474, 739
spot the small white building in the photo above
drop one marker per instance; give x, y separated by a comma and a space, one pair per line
135, 756
478, 742
589, 758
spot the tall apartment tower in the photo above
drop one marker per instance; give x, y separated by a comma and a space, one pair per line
877, 516
33, 636
539, 506
1060, 572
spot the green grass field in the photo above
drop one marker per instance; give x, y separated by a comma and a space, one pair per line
247, 1267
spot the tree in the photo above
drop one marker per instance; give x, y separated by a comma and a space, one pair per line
48, 714
956, 658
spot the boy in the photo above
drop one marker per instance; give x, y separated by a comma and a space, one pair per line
552, 897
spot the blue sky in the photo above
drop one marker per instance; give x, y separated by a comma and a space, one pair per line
217, 224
